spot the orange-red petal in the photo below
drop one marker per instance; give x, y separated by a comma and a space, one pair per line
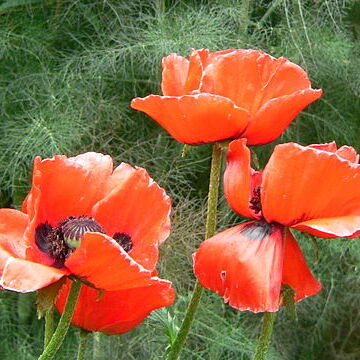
243, 268
174, 75
343, 226
345, 152
25, 276
139, 208
330, 147
101, 261
240, 179
273, 90
16, 273
64, 187
348, 153
181, 76
70, 187
237, 76
275, 116
207, 57
302, 183
195, 119
13, 224
296, 273
116, 312
199, 60
251, 78
196, 68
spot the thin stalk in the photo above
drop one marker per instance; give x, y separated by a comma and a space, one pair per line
82, 344
64, 323
245, 16
160, 8
96, 345
265, 336
268, 12
211, 221
49, 326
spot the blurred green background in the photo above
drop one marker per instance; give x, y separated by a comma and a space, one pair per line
68, 72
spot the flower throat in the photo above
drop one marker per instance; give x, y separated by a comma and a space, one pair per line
60, 241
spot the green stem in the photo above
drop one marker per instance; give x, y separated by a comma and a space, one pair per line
268, 12
64, 323
49, 326
160, 8
265, 336
244, 16
82, 344
211, 220
96, 345
213, 195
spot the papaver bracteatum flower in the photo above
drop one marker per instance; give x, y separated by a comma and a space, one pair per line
228, 94
81, 218
314, 189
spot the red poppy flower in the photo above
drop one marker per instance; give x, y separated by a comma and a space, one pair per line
103, 226
228, 94
314, 189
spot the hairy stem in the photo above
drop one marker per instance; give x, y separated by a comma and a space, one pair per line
211, 220
84, 335
64, 323
49, 326
265, 336
96, 345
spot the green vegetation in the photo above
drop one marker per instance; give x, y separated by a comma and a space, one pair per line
69, 70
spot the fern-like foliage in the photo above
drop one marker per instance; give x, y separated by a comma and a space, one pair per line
69, 70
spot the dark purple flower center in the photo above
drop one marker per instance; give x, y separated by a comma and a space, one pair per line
124, 240
257, 230
256, 200
60, 241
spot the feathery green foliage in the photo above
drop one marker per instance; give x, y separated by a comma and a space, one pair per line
69, 70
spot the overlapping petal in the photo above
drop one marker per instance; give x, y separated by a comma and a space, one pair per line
66, 194
26, 276
69, 186
340, 226
345, 152
304, 183
13, 224
196, 69
243, 76
240, 179
174, 75
102, 262
275, 116
296, 273
140, 209
116, 312
198, 62
348, 153
195, 119
63, 187
16, 272
243, 264
272, 91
